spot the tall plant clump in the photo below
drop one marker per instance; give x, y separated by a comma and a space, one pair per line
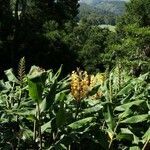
102, 111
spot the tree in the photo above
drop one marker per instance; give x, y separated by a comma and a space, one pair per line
89, 43
131, 43
6, 19
138, 11
6, 33
22, 30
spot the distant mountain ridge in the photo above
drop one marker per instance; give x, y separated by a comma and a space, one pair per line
93, 2
101, 11
116, 7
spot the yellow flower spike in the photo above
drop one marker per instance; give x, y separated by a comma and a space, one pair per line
81, 83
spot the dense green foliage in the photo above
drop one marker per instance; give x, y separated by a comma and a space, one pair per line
47, 34
39, 112
42, 109
23, 26
131, 43
138, 12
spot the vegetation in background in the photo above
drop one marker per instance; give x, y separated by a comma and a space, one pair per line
131, 43
23, 26
104, 104
101, 12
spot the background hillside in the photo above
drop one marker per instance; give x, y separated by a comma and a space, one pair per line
101, 11
92, 2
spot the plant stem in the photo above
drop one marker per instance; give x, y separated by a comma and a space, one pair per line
119, 75
110, 90
69, 148
145, 145
115, 129
39, 126
34, 137
77, 110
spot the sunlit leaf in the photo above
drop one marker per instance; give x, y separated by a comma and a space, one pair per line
11, 77
128, 105
136, 119
81, 123
46, 126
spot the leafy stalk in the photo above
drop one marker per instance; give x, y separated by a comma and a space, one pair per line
39, 125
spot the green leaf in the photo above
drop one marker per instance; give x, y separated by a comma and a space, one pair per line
92, 109
58, 73
126, 89
37, 73
61, 96
128, 105
144, 76
2, 85
27, 134
108, 114
11, 77
126, 113
126, 134
136, 119
146, 136
35, 90
135, 148
61, 115
101, 137
36, 82
58, 146
94, 90
62, 147
50, 97
81, 123
46, 126
43, 105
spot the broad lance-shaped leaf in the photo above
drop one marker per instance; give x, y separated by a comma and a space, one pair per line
125, 113
53, 77
61, 115
49, 100
144, 76
50, 97
54, 91
128, 105
81, 123
135, 148
126, 89
108, 114
58, 73
36, 73
11, 77
26, 133
136, 119
126, 134
94, 90
35, 91
5, 86
93, 109
36, 82
46, 126
146, 136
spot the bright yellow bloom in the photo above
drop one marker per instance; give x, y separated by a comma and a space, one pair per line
79, 84
82, 83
